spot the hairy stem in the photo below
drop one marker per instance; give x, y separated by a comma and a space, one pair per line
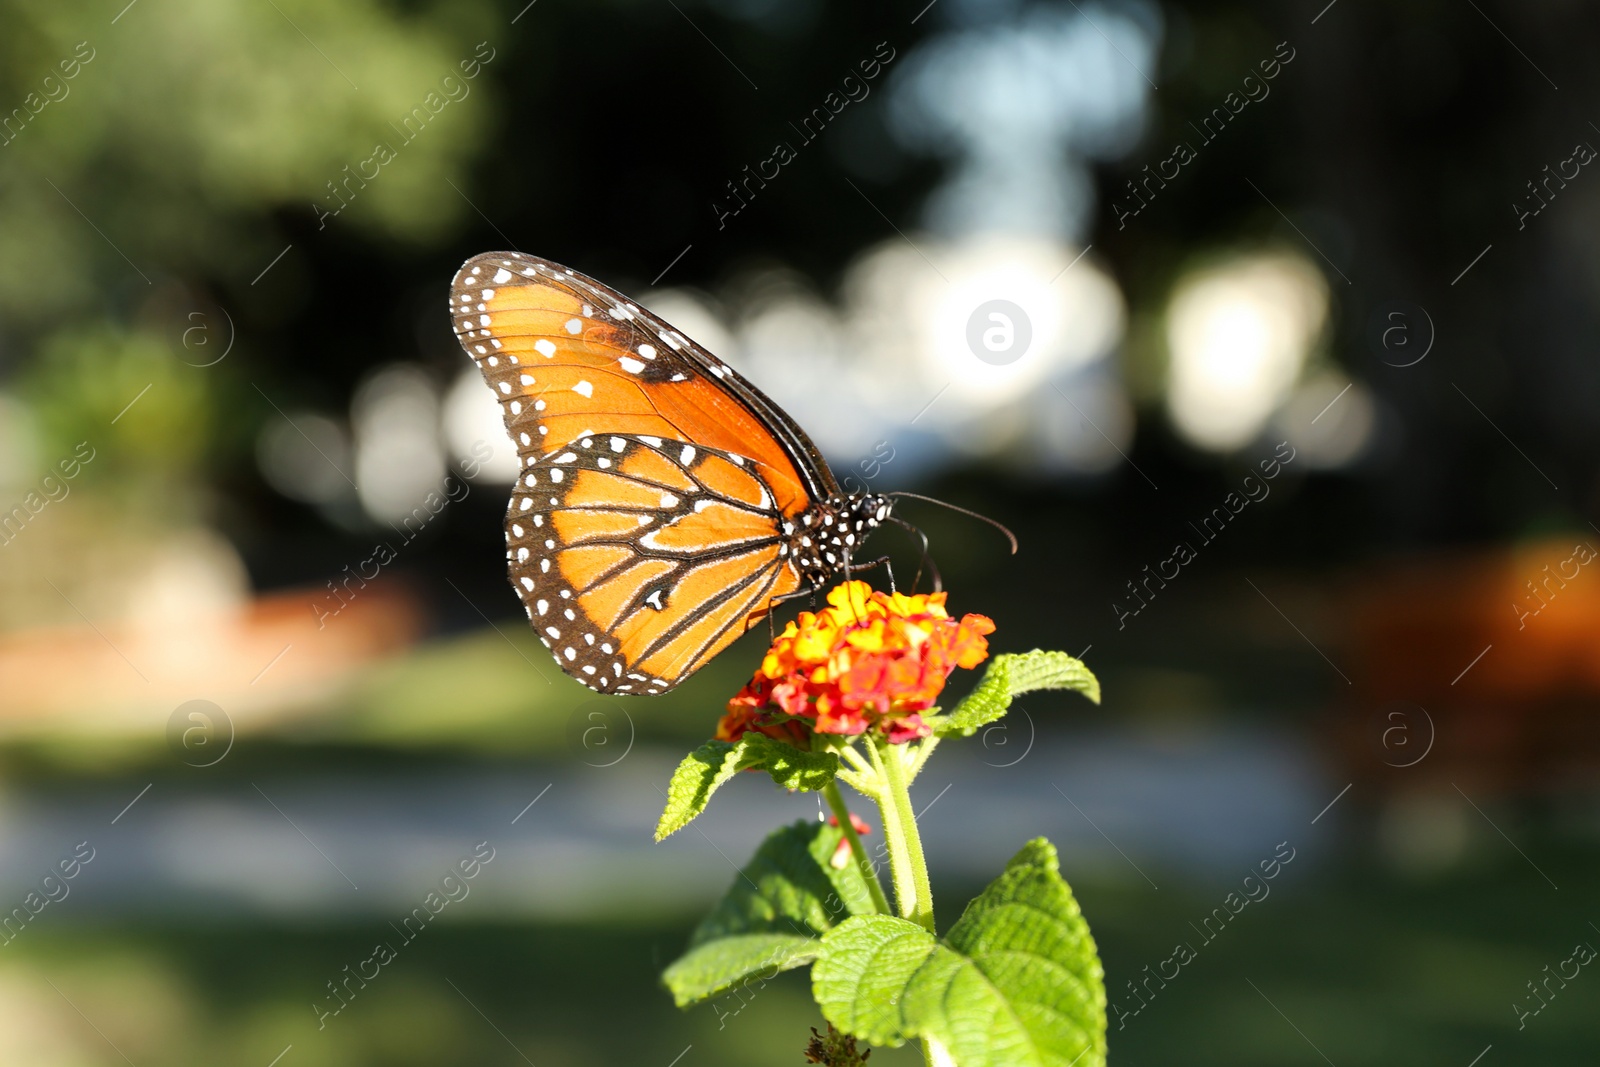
849, 754
925, 749
912, 891
842, 813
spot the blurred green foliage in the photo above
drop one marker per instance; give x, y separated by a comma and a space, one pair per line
148, 155
186, 125
87, 376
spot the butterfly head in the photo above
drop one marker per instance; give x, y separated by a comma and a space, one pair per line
829, 533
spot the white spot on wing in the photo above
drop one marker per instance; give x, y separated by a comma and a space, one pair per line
584, 388
501, 276
542, 346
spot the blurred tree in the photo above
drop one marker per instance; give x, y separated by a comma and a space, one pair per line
159, 142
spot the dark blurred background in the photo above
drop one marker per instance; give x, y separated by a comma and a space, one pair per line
1291, 402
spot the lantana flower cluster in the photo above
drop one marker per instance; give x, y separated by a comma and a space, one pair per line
867, 661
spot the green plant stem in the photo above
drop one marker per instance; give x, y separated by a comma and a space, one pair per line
912, 892
842, 813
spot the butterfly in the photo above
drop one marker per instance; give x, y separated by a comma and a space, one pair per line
664, 504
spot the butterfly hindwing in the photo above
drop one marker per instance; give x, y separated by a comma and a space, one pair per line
639, 557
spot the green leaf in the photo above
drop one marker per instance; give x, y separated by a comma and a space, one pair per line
790, 767
705, 769
865, 971
1015, 983
773, 916
1010, 676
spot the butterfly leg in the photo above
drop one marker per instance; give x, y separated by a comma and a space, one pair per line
926, 559
888, 568
772, 634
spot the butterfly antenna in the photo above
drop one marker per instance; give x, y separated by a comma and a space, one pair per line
973, 514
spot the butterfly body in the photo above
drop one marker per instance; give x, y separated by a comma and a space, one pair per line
829, 533
664, 504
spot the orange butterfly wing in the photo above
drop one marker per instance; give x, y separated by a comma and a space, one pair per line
648, 527
640, 558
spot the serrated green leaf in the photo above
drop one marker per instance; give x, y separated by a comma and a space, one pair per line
790, 767
1010, 676
696, 778
1015, 983
705, 769
863, 974
773, 916
720, 965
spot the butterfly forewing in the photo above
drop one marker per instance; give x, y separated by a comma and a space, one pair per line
567, 356
657, 488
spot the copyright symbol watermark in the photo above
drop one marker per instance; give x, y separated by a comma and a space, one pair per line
200, 733
999, 332
1404, 734
999, 742
1400, 333
600, 732
203, 336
